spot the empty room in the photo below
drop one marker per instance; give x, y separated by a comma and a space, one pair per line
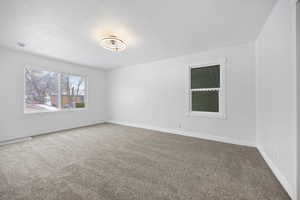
149, 100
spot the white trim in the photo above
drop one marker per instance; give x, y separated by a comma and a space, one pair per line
54, 130
55, 111
206, 114
59, 92
2, 143
280, 177
222, 90
205, 136
205, 89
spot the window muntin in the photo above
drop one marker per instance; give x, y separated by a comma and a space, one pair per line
206, 90
47, 91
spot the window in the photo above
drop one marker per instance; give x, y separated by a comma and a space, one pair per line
47, 91
72, 91
206, 90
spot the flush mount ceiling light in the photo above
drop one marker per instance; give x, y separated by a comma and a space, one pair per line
113, 43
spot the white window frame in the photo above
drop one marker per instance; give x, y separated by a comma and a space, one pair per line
59, 108
222, 91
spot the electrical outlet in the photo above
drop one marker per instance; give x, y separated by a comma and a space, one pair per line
179, 125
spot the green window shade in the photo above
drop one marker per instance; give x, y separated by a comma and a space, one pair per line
205, 101
205, 77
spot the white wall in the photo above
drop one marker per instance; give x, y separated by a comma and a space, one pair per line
276, 94
298, 91
15, 124
152, 95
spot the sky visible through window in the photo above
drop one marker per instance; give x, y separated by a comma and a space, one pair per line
74, 81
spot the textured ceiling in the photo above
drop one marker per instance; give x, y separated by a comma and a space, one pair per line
156, 29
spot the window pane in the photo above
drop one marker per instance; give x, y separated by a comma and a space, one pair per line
205, 77
41, 90
72, 91
206, 101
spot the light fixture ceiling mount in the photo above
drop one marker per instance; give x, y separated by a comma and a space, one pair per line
113, 43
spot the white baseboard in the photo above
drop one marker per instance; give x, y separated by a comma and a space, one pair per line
15, 141
48, 131
282, 179
187, 133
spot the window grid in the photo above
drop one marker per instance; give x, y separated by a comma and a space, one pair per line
220, 90
205, 89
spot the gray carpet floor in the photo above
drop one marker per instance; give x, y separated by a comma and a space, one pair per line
112, 162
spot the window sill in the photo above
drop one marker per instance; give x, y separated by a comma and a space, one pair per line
207, 115
54, 111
